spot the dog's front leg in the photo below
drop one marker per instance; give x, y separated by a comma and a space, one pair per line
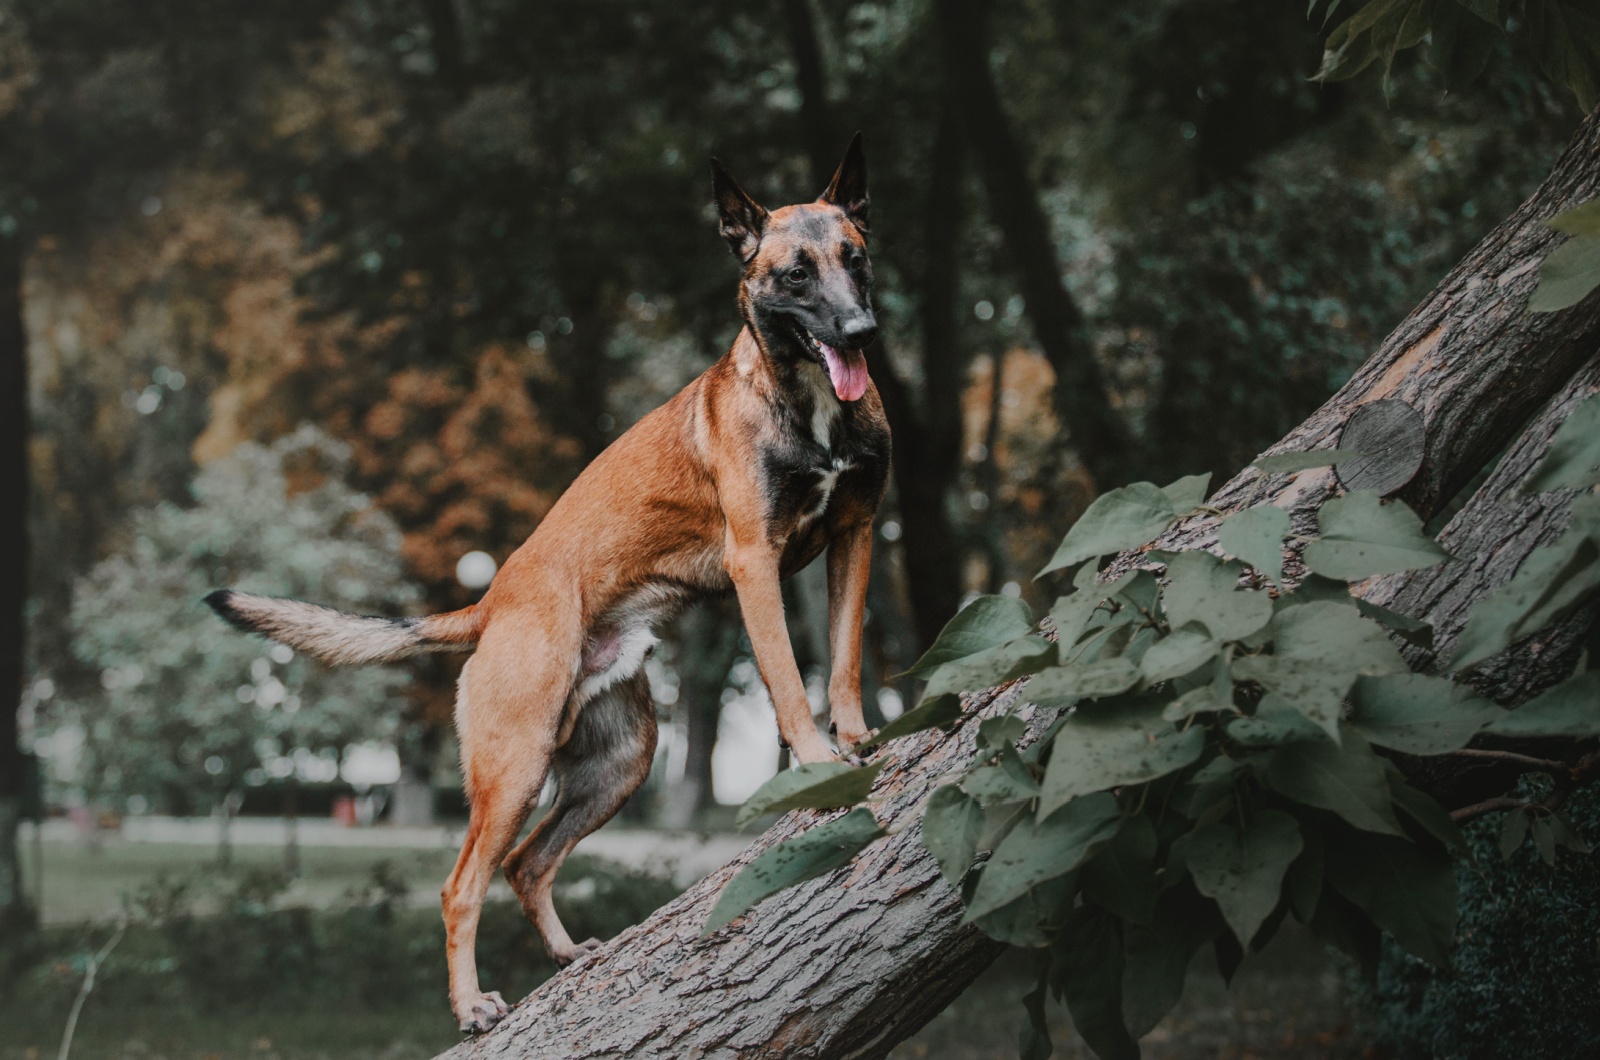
753, 566
849, 563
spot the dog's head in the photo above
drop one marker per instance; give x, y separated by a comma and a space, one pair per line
807, 284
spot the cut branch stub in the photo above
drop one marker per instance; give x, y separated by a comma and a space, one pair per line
1390, 434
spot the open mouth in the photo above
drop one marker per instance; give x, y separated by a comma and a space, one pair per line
847, 369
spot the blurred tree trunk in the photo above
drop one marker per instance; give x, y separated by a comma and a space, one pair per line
13, 573
817, 130
710, 639
927, 446
1095, 430
855, 961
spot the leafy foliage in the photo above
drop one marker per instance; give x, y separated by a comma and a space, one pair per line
1205, 766
1564, 36
189, 710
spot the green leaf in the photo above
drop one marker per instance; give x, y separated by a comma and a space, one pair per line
1558, 32
1418, 714
1122, 876
951, 823
1103, 745
1039, 850
1062, 686
1414, 630
1573, 460
1181, 652
1513, 830
1201, 588
1274, 722
1087, 970
819, 785
934, 712
1034, 1040
1567, 276
1188, 493
1243, 868
1302, 884
1347, 780
1554, 581
1571, 708
1579, 221
1463, 40
1214, 694
1255, 536
1319, 649
1156, 963
1008, 782
1282, 463
1408, 890
1032, 919
997, 665
1421, 808
1361, 536
995, 734
803, 857
1126, 518
987, 622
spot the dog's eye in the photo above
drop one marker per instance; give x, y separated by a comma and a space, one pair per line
797, 275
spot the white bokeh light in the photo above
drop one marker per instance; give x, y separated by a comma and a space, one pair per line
476, 569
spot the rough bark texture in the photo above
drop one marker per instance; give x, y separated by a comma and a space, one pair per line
1490, 538
843, 966
1470, 359
850, 963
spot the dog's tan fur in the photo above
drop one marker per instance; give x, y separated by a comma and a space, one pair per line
741, 479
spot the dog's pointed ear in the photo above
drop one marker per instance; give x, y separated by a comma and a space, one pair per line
742, 218
848, 189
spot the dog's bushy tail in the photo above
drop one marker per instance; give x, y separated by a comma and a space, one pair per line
341, 638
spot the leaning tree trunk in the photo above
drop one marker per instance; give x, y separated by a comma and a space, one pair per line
855, 961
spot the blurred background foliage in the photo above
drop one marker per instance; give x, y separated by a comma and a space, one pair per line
471, 241
359, 287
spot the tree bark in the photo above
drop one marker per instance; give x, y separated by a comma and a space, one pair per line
853, 962
1489, 540
842, 966
13, 571
1082, 401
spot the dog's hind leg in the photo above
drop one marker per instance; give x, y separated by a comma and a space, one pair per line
508, 716
604, 761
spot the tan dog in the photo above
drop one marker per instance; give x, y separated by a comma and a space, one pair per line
778, 451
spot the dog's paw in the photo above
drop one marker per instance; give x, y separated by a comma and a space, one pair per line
482, 1013
577, 952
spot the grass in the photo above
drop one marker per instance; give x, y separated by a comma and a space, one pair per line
83, 883
347, 962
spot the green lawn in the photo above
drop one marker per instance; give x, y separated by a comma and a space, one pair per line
81, 883
362, 980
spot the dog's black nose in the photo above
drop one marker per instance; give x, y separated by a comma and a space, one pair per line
860, 333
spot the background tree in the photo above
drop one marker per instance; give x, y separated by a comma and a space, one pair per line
190, 717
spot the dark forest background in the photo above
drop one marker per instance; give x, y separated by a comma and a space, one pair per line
470, 242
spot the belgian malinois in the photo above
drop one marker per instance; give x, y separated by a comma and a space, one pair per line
778, 451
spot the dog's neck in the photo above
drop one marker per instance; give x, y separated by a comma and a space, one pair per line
771, 361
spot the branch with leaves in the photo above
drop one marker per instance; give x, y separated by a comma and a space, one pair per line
1217, 760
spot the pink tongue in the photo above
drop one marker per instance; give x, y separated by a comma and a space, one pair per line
848, 370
